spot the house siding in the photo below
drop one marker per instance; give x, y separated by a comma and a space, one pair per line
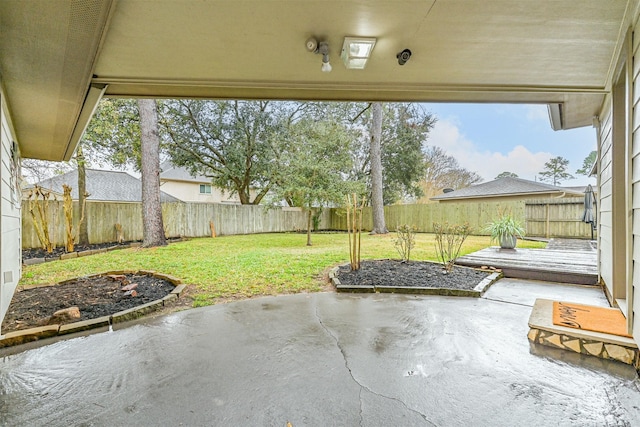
190, 192
10, 218
605, 209
634, 290
619, 184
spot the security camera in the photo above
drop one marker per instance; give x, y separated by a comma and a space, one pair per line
403, 56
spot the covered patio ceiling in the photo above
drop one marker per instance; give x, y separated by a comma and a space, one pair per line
57, 58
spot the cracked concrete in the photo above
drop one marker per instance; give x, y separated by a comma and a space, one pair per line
320, 359
362, 386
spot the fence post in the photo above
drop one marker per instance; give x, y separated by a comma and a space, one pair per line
548, 225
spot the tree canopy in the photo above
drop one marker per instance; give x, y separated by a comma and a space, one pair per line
239, 144
506, 174
405, 130
587, 164
315, 168
444, 171
555, 171
113, 134
245, 147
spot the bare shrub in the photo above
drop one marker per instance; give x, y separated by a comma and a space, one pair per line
405, 241
449, 240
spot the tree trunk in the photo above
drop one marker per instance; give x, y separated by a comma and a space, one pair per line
152, 226
83, 229
309, 213
377, 202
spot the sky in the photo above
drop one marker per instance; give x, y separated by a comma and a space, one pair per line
492, 138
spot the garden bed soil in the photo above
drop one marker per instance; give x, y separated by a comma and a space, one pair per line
60, 250
410, 274
95, 297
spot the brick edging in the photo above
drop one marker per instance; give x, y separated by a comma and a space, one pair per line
34, 334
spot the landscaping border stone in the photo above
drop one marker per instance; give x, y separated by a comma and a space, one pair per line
477, 292
34, 334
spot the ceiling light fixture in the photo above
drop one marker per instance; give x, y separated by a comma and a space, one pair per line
356, 51
321, 48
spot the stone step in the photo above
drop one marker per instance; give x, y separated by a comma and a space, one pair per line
605, 346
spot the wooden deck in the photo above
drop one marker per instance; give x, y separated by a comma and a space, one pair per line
553, 265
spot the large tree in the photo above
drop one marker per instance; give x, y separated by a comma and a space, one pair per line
587, 164
555, 171
375, 156
237, 143
153, 229
405, 130
443, 171
124, 132
83, 228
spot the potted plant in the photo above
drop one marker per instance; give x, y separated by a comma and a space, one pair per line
505, 230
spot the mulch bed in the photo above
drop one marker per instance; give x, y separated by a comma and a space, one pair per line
60, 250
95, 297
412, 273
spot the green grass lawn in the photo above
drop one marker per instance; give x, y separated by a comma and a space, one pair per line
243, 266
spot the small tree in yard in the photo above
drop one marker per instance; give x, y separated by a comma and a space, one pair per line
39, 201
68, 217
354, 229
405, 241
315, 167
449, 240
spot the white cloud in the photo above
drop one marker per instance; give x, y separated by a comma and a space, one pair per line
487, 164
537, 112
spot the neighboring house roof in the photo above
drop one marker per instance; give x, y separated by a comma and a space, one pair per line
110, 186
170, 172
504, 187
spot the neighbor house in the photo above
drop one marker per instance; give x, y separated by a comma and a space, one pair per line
507, 189
101, 185
58, 58
179, 182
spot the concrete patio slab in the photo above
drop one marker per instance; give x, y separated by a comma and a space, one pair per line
525, 291
319, 359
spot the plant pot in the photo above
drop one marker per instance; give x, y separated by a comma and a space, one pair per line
508, 242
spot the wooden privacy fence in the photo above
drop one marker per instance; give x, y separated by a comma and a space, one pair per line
543, 218
556, 218
422, 216
180, 220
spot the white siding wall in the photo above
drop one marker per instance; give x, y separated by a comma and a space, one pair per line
634, 297
605, 208
190, 192
10, 225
